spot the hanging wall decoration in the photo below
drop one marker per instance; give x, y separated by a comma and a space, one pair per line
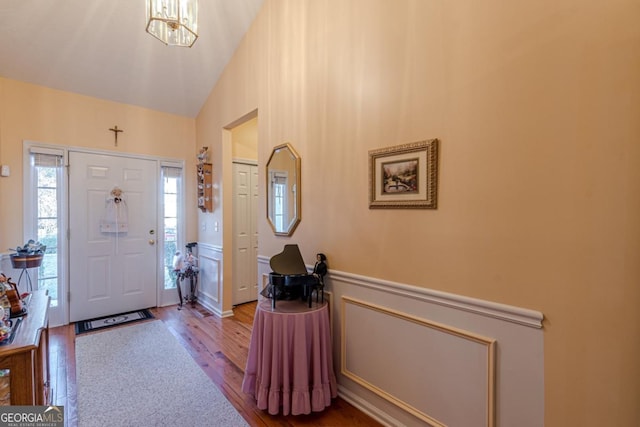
404, 176
204, 181
116, 217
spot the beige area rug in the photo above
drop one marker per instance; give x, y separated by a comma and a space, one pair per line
140, 375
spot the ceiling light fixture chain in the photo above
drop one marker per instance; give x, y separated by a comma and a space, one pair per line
173, 22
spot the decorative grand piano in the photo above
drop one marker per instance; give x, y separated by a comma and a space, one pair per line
289, 279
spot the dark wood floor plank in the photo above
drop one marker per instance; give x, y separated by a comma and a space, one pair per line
219, 347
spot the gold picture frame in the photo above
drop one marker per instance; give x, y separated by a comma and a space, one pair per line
404, 176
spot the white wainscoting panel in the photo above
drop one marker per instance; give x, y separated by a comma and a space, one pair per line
210, 285
413, 356
454, 365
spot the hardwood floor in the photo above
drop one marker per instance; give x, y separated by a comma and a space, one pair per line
219, 346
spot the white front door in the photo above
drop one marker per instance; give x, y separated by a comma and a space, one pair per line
245, 233
111, 272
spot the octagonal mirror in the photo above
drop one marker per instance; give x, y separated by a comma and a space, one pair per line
283, 190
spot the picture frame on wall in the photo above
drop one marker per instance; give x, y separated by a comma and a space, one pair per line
404, 176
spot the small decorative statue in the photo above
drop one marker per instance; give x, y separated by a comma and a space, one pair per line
320, 268
319, 271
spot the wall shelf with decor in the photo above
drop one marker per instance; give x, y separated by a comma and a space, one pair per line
205, 187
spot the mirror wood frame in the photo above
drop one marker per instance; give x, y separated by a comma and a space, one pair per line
293, 186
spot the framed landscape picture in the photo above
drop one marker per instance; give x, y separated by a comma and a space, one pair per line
404, 176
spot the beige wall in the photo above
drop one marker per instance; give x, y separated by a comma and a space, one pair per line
36, 113
536, 105
245, 140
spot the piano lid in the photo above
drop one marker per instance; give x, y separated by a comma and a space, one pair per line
289, 261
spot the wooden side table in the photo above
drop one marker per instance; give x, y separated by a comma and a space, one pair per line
27, 356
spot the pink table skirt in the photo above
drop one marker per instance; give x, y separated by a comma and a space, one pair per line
290, 363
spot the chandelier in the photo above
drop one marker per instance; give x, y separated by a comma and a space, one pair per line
173, 22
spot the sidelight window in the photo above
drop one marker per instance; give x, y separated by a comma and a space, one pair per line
47, 174
172, 218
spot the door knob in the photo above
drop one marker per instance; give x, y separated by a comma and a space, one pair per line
152, 242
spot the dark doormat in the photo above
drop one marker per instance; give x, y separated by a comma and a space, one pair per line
114, 320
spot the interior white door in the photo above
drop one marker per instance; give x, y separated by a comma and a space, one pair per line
245, 233
111, 272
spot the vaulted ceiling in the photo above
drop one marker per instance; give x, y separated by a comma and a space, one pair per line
100, 48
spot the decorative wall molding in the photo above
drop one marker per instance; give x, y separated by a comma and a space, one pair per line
209, 287
499, 311
435, 369
405, 321
495, 310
